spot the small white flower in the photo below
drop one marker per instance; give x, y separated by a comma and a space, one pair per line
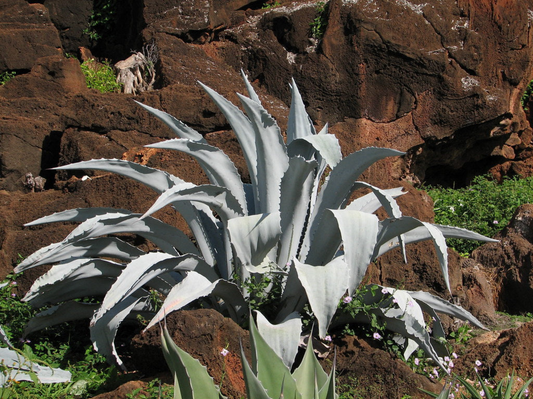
417, 361
385, 291
446, 358
377, 336
454, 355
327, 338
478, 363
347, 299
224, 352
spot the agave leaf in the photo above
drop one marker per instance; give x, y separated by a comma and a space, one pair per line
58, 314
359, 232
458, 232
75, 279
283, 338
242, 127
195, 286
166, 237
252, 237
219, 198
249, 88
254, 388
104, 329
144, 269
324, 286
17, 367
405, 226
327, 145
179, 128
76, 215
103, 246
272, 159
215, 163
299, 125
309, 373
442, 306
191, 378
156, 179
337, 189
328, 389
296, 190
269, 368
370, 203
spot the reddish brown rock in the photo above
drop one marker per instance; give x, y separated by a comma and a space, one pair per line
501, 353
26, 34
203, 334
509, 263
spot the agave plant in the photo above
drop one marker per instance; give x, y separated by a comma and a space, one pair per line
295, 219
267, 378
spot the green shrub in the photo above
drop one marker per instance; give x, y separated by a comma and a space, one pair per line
486, 206
102, 20
100, 77
6, 77
318, 26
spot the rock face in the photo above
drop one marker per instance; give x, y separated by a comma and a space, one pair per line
509, 263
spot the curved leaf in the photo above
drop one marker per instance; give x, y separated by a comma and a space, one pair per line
339, 185
179, 128
272, 159
216, 164
242, 127
111, 247
218, 198
156, 179
68, 311
327, 145
359, 232
195, 286
392, 228
370, 203
442, 306
144, 269
252, 237
104, 329
76, 215
76, 279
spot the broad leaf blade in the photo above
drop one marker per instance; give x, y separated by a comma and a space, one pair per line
269, 367
296, 191
359, 232
283, 338
325, 286
309, 373
252, 237
272, 159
